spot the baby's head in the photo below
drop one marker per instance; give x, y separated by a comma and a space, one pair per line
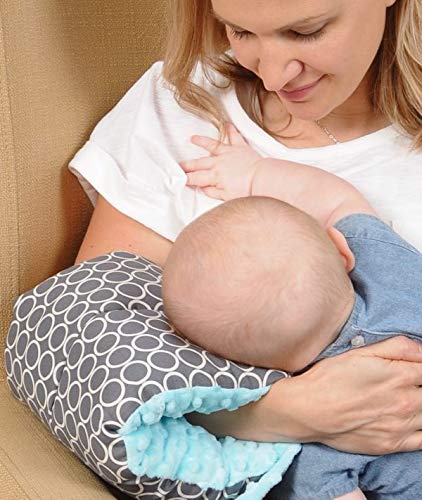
258, 281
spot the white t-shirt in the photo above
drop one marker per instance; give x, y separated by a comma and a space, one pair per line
132, 157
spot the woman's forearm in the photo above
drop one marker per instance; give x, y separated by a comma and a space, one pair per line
267, 419
367, 400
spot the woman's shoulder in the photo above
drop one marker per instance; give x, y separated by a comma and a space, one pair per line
151, 100
138, 100
203, 76
132, 156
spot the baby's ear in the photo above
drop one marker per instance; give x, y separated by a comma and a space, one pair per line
341, 244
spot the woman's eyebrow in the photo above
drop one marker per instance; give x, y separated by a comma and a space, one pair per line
298, 22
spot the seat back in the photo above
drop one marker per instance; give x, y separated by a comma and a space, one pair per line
63, 65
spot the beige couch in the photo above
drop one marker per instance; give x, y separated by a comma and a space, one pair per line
63, 65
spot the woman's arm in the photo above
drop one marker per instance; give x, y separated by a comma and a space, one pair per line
366, 400
110, 230
360, 401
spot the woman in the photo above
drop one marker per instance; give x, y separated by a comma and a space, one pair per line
361, 120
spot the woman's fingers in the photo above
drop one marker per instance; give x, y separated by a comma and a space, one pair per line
403, 428
401, 348
416, 415
398, 348
412, 442
412, 375
366, 400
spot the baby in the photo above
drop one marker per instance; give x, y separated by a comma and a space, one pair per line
260, 281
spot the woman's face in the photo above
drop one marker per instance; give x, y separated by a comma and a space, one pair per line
337, 46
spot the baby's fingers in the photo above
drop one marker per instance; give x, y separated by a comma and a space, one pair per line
199, 164
214, 146
202, 178
235, 137
214, 192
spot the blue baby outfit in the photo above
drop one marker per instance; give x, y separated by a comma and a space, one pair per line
387, 279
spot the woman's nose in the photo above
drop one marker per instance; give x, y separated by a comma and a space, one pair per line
276, 74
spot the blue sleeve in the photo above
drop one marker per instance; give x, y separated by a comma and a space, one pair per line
387, 276
370, 227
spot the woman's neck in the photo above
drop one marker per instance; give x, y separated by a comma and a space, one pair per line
356, 116
346, 123
354, 119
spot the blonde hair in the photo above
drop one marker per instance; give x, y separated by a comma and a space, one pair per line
237, 275
195, 36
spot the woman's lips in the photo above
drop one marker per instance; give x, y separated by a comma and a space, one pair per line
296, 95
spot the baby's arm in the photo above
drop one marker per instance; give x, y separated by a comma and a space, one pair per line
322, 195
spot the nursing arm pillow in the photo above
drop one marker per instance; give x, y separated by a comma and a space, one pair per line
91, 352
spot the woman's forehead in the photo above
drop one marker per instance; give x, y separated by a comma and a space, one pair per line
243, 13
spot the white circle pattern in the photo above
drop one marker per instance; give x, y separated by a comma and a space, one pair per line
102, 346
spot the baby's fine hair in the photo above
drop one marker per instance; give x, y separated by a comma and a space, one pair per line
238, 270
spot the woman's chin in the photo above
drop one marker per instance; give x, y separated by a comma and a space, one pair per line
308, 111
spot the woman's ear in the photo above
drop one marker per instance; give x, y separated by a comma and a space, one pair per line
340, 242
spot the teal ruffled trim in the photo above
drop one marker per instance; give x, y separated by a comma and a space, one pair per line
160, 442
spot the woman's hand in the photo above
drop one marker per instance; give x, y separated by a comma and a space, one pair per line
367, 400
364, 401
228, 172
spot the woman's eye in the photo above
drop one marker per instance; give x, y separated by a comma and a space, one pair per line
239, 34
306, 37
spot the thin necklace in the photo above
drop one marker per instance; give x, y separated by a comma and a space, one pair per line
325, 129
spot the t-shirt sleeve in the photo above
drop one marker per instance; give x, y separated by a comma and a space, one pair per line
131, 157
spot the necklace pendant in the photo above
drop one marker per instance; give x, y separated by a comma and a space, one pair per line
330, 135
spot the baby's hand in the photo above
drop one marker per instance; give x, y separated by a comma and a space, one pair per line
228, 172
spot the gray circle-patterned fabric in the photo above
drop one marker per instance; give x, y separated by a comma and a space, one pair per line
89, 345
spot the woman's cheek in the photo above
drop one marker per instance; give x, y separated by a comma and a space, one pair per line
242, 56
